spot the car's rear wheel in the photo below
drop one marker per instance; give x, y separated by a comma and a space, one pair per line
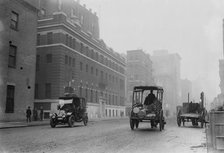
161, 121
52, 123
132, 124
71, 121
85, 120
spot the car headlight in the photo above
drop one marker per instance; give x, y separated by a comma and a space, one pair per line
69, 113
136, 110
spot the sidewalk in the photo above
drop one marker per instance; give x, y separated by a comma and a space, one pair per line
6, 125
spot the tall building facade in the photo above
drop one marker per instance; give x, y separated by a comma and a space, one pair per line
18, 23
166, 68
139, 71
71, 53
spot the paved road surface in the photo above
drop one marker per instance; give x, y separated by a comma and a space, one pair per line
113, 136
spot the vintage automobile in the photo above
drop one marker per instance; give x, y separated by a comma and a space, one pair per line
144, 110
70, 110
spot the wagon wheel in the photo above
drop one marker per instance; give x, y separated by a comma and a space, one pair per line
71, 121
178, 119
161, 122
132, 124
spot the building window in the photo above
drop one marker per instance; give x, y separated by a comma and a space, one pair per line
74, 44
92, 54
87, 68
38, 39
47, 90
70, 61
81, 48
14, 20
96, 72
73, 62
49, 37
97, 56
36, 91
70, 41
87, 51
91, 70
10, 99
12, 56
37, 62
49, 58
80, 66
101, 75
66, 39
66, 59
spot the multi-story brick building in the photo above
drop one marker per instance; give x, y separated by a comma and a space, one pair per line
71, 53
139, 71
166, 70
18, 23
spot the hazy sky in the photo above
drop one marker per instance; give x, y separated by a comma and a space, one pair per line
192, 28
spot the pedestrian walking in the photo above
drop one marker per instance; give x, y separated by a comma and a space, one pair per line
35, 114
41, 113
28, 114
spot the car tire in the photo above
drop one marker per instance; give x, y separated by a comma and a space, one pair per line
136, 124
52, 123
132, 124
71, 121
85, 120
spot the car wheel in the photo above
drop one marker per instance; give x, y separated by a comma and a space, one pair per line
71, 121
132, 123
52, 123
85, 121
161, 123
136, 124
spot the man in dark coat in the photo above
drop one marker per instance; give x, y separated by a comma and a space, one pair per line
28, 114
150, 98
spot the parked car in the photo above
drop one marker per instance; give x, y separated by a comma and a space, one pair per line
70, 110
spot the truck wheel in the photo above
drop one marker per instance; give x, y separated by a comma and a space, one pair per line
52, 123
71, 121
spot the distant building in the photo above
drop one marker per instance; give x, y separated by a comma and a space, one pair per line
166, 70
18, 23
139, 71
71, 53
186, 90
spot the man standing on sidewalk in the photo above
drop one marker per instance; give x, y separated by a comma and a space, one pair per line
28, 115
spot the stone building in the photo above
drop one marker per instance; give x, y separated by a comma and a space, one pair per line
71, 53
18, 23
139, 71
166, 70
